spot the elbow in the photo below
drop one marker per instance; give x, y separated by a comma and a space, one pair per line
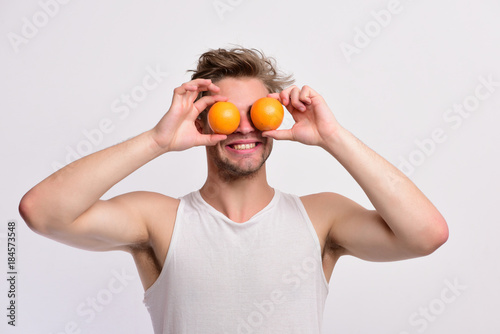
26, 210
433, 237
30, 214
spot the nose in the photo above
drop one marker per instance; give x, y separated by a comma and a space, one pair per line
246, 125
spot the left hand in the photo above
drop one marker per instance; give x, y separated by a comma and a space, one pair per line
314, 121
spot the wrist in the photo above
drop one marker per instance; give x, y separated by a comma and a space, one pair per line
155, 143
335, 140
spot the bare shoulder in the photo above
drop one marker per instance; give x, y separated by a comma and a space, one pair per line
326, 204
138, 220
158, 210
146, 196
149, 200
332, 212
321, 198
323, 210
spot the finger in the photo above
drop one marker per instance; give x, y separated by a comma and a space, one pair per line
285, 95
305, 94
210, 139
189, 87
188, 92
296, 103
196, 85
284, 98
279, 134
213, 88
274, 96
200, 83
204, 85
208, 100
181, 90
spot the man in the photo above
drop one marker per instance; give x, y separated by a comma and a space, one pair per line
237, 256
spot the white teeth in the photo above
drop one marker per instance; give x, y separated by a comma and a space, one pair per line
244, 146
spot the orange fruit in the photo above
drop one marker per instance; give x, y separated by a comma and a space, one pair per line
267, 114
223, 117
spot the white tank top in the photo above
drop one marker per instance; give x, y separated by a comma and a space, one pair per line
261, 276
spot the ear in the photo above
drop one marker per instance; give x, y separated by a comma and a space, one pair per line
200, 125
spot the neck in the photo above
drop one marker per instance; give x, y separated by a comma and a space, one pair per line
238, 198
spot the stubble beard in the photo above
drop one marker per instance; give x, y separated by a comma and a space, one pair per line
229, 171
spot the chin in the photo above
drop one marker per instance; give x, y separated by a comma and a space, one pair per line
233, 171
233, 164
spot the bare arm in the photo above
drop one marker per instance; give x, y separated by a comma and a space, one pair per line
404, 223
66, 206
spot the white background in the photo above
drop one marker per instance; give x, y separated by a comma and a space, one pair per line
63, 78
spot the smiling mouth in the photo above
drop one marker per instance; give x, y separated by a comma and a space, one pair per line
242, 147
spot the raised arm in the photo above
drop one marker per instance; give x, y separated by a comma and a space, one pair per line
404, 223
66, 206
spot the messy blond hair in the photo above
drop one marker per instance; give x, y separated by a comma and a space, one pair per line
217, 64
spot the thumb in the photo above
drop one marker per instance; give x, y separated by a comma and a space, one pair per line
211, 139
279, 134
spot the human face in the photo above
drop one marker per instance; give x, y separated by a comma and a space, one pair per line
245, 151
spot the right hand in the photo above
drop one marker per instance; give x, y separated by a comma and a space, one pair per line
177, 131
